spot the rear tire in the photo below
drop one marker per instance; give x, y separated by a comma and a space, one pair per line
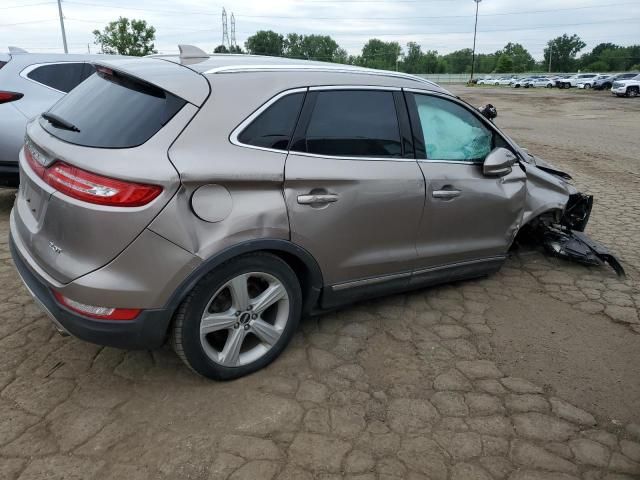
239, 317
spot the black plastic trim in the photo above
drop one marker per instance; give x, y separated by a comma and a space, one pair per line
9, 174
333, 298
147, 331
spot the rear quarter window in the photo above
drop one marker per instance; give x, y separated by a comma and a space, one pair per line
111, 110
274, 126
62, 76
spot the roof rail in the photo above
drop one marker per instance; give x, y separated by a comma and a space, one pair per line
191, 51
16, 50
315, 67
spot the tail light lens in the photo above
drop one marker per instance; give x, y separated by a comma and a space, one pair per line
90, 187
6, 97
101, 313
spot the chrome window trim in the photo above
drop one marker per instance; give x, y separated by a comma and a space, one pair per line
233, 137
324, 88
337, 157
27, 70
315, 68
460, 162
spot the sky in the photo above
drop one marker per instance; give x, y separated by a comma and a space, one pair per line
442, 25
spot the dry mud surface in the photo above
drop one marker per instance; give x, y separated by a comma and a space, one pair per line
531, 374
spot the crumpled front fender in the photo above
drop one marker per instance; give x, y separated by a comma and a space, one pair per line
545, 192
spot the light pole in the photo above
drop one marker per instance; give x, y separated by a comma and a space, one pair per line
475, 30
64, 35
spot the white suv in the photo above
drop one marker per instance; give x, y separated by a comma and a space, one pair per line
577, 78
627, 88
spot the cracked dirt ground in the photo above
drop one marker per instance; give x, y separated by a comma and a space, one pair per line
531, 374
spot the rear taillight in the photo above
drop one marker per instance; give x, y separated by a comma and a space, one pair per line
90, 187
6, 97
101, 313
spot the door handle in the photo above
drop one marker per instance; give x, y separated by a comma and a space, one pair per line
317, 198
446, 194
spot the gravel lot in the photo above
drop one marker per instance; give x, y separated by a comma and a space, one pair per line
531, 374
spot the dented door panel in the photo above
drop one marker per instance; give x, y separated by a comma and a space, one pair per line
480, 222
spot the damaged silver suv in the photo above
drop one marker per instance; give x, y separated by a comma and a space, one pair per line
215, 200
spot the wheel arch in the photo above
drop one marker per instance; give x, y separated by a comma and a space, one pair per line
300, 260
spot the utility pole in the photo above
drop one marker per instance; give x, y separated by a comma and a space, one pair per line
64, 35
88, 49
475, 30
550, 51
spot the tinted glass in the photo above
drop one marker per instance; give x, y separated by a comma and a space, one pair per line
62, 76
273, 127
451, 132
355, 124
113, 111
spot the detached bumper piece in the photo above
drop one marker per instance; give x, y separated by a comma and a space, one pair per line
577, 246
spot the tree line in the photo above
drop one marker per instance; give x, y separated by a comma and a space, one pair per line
135, 37
512, 58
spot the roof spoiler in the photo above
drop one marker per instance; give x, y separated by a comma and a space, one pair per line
191, 51
17, 50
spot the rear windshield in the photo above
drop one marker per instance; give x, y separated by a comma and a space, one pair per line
110, 110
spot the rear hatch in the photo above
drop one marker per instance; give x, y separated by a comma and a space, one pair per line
95, 171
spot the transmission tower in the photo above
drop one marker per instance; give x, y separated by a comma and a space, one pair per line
233, 30
225, 32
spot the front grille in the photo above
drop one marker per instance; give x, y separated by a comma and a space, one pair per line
617, 85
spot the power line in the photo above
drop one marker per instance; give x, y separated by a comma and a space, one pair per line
439, 16
26, 23
201, 12
27, 5
382, 33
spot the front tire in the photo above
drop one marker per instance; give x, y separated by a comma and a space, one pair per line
633, 92
238, 318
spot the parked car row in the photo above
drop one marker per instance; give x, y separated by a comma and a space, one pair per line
621, 84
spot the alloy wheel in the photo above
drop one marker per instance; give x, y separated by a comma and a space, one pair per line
244, 319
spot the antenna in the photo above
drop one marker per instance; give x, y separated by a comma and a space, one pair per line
233, 30
225, 33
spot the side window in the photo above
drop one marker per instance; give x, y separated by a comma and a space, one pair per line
352, 123
273, 127
62, 76
451, 132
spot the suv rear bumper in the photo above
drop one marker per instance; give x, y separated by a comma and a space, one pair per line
147, 331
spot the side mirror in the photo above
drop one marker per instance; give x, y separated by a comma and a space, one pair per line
489, 111
498, 163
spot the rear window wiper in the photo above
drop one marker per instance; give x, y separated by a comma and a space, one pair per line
59, 122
